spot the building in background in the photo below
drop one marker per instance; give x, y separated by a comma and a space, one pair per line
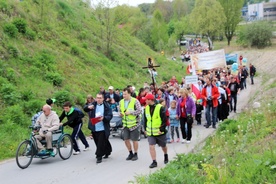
260, 11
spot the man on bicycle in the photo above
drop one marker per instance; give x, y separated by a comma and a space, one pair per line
49, 121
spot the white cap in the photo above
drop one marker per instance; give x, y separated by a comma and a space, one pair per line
111, 87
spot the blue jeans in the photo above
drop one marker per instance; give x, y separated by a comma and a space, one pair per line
252, 79
168, 133
208, 111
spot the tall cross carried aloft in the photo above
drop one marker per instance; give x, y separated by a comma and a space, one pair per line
151, 68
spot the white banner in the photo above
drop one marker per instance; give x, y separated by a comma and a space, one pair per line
191, 79
208, 60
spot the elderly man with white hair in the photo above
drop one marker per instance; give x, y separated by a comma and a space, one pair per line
48, 121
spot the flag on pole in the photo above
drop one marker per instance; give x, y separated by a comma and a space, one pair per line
189, 69
196, 91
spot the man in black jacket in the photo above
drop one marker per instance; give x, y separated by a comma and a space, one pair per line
111, 94
235, 90
100, 115
75, 122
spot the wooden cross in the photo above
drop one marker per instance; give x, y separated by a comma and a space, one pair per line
151, 66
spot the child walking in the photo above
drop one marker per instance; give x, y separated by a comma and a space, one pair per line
199, 109
174, 123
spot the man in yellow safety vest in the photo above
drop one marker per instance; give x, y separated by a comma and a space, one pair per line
130, 110
155, 123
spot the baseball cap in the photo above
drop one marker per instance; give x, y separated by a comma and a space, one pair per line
149, 97
111, 87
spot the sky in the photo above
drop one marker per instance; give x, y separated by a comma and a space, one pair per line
134, 2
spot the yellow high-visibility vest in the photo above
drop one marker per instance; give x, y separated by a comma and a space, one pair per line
129, 120
153, 122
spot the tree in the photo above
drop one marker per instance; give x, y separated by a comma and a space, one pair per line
208, 18
105, 16
165, 7
257, 34
182, 8
159, 30
232, 11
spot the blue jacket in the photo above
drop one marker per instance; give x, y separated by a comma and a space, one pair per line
107, 117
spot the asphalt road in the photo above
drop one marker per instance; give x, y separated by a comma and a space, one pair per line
116, 170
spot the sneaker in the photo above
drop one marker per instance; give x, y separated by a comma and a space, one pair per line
188, 142
86, 148
51, 152
177, 140
135, 157
214, 126
129, 157
183, 141
166, 159
172, 141
76, 153
153, 164
42, 153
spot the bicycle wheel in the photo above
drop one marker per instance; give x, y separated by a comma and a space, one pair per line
65, 146
24, 154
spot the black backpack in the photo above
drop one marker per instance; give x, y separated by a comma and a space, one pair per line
81, 114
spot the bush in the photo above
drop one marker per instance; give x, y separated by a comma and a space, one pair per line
9, 94
75, 50
65, 42
15, 115
9, 74
13, 51
62, 96
27, 95
10, 30
21, 25
55, 78
30, 34
82, 35
31, 107
45, 60
256, 34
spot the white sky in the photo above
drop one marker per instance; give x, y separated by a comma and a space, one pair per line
134, 2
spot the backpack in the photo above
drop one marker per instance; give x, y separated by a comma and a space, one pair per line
254, 69
81, 114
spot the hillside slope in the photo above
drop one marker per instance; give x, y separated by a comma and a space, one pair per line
56, 49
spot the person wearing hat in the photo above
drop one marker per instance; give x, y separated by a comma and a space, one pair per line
155, 128
130, 110
111, 95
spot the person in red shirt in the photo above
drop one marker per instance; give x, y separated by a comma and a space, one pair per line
142, 93
210, 95
173, 80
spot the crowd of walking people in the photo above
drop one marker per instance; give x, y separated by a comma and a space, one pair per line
160, 109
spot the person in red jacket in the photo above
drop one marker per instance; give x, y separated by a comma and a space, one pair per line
210, 95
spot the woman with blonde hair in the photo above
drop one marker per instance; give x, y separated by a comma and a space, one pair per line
186, 111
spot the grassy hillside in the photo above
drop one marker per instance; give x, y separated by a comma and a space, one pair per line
56, 49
